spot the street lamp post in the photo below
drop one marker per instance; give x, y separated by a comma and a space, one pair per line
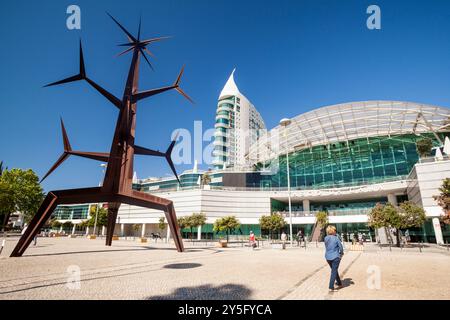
284, 123
103, 165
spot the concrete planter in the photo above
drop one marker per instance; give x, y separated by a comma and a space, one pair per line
223, 243
92, 237
72, 235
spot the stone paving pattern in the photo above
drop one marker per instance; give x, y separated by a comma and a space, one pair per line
130, 270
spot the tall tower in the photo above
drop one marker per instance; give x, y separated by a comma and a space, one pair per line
237, 126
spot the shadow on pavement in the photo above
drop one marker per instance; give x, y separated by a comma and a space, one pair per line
208, 292
347, 282
182, 265
94, 251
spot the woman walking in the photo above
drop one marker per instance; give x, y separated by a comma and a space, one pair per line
333, 253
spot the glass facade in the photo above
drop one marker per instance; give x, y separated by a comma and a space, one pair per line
208, 233
187, 181
359, 161
80, 212
225, 120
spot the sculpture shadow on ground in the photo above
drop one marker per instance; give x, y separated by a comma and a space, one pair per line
208, 292
96, 251
182, 266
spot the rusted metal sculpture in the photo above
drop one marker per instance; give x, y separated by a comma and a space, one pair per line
117, 185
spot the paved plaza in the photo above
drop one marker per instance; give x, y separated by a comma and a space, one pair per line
131, 270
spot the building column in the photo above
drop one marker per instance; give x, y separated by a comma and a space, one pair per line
87, 231
73, 228
384, 233
122, 230
143, 230
438, 231
392, 199
168, 234
199, 233
103, 230
306, 205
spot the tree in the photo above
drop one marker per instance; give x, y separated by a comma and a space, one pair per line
67, 225
182, 222
196, 220
102, 218
443, 199
55, 224
407, 215
136, 227
162, 224
272, 223
384, 216
6, 202
412, 215
227, 224
206, 179
20, 191
322, 221
424, 147
2, 168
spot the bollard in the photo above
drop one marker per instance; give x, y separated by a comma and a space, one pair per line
316, 244
447, 244
420, 246
3, 245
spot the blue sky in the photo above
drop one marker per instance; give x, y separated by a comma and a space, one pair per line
291, 57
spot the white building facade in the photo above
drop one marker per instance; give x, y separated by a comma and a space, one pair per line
237, 126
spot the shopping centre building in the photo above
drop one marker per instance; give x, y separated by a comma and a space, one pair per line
343, 159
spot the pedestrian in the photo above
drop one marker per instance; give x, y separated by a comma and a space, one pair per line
341, 239
24, 229
299, 237
283, 239
360, 239
407, 237
333, 254
252, 240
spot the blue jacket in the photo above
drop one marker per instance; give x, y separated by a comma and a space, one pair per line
333, 247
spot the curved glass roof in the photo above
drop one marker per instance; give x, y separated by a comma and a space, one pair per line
348, 121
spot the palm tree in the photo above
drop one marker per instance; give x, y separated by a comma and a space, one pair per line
1, 168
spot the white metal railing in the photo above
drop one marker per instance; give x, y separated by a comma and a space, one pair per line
434, 159
340, 187
341, 212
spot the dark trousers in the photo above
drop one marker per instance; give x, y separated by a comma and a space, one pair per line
334, 265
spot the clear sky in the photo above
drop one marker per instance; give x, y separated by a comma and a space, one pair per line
291, 57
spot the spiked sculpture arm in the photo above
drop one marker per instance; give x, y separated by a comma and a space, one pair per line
149, 93
167, 155
82, 76
148, 152
115, 101
145, 94
99, 156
